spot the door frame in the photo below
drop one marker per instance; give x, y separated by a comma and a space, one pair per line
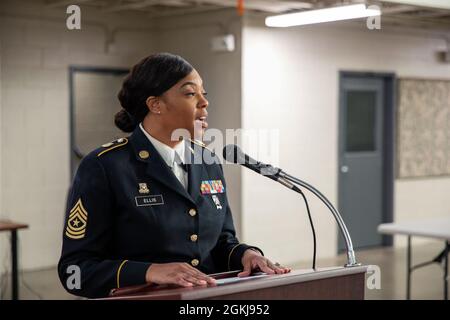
388, 140
74, 150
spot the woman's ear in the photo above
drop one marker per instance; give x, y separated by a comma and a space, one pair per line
153, 104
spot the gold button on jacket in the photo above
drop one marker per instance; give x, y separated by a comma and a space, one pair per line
195, 262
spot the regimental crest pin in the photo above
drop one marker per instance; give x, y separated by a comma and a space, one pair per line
216, 201
76, 224
143, 189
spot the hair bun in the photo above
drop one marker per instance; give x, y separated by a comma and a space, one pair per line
125, 121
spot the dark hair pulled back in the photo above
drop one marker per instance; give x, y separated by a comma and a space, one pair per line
152, 76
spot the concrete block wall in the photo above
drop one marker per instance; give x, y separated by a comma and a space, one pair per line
37, 50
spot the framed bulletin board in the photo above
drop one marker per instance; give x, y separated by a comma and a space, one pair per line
423, 128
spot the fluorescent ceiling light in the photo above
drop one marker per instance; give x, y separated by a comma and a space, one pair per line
439, 4
321, 15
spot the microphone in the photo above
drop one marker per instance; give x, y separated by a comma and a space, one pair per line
232, 153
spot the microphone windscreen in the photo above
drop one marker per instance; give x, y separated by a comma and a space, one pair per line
232, 153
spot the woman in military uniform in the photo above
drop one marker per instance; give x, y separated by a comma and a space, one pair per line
143, 209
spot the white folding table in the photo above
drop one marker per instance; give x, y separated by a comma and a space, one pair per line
438, 228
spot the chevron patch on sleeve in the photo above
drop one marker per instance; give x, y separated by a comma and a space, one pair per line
76, 224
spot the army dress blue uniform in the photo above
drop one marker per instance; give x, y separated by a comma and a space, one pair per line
126, 210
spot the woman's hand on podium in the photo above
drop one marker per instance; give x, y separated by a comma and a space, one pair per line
252, 260
177, 273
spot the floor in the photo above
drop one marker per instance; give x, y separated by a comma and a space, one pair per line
427, 283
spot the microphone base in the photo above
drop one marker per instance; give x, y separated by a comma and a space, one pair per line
356, 264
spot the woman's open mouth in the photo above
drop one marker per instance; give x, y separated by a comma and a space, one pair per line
201, 122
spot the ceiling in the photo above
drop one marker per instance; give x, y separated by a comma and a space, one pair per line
394, 11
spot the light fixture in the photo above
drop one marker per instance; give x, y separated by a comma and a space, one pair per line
321, 15
438, 4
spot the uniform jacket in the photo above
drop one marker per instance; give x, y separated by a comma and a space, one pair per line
126, 210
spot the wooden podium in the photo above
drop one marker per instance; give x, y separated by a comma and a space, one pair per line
327, 283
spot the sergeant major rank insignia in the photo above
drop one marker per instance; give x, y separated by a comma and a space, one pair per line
76, 224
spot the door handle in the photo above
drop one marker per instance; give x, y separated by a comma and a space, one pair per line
344, 169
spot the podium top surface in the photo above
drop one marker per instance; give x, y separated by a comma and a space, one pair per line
203, 292
438, 228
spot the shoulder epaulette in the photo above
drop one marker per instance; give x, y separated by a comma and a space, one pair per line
113, 145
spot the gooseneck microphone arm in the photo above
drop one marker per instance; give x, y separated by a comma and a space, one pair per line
351, 259
234, 154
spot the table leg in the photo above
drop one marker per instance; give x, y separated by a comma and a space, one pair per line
408, 271
446, 270
15, 282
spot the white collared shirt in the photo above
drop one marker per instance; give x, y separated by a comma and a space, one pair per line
173, 157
